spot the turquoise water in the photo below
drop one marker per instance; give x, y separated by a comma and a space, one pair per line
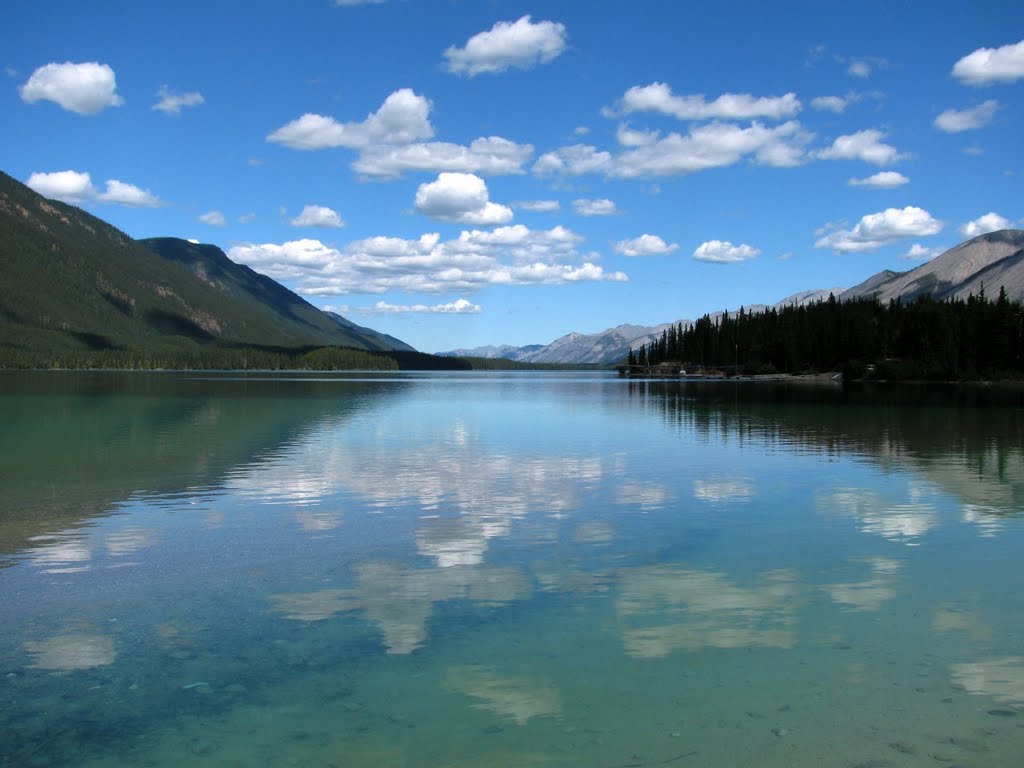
507, 570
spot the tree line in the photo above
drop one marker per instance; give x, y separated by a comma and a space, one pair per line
956, 339
267, 358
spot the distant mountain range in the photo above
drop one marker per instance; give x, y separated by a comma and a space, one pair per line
69, 281
993, 261
609, 346
598, 348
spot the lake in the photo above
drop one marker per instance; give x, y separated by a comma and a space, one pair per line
551, 569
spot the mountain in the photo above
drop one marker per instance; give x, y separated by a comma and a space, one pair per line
607, 347
71, 282
994, 260
612, 345
493, 352
269, 306
808, 297
369, 335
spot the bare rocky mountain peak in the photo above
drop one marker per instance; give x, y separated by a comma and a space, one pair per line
808, 297
995, 260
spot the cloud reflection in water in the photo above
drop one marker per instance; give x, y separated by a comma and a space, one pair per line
989, 520
1001, 678
723, 489
645, 496
400, 600
468, 492
516, 698
65, 552
317, 521
73, 650
664, 608
905, 523
129, 541
872, 593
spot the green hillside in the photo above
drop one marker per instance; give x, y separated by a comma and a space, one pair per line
265, 308
73, 288
371, 336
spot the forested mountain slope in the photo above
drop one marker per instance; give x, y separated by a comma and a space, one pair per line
71, 282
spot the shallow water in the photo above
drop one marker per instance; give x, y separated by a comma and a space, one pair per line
507, 570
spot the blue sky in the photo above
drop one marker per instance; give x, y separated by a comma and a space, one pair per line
460, 173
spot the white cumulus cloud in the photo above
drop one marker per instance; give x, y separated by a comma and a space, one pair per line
76, 187
714, 145
877, 229
86, 88
600, 207
990, 222
986, 66
312, 131
462, 198
724, 252
574, 160
457, 307
491, 156
862, 145
881, 180
403, 118
520, 44
835, 104
213, 218
645, 245
859, 68
711, 145
632, 137
538, 206
292, 259
122, 193
170, 103
511, 255
317, 216
959, 120
658, 97
69, 186
918, 252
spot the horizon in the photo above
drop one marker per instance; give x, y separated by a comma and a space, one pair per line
521, 172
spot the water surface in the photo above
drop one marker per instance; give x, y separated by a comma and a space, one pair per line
507, 570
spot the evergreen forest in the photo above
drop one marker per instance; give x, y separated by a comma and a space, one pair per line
925, 339
215, 357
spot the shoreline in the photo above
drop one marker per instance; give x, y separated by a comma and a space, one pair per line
828, 378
